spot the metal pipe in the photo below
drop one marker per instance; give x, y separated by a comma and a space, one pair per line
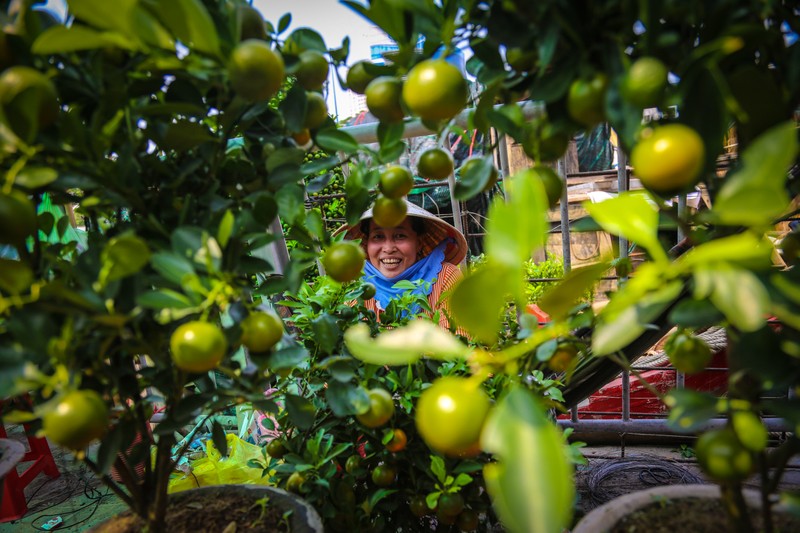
566, 239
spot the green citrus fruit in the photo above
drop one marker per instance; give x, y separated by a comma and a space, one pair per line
256, 71
384, 95
435, 164
380, 411
396, 181
520, 59
468, 520
722, 457
687, 353
78, 418
470, 164
369, 291
197, 346
312, 70
451, 503
435, 90
295, 482
344, 261
669, 159
17, 218
358, 78
586, 100
389, 212
316, 110
250, 23
563, 358
450, 415
545, 143
750, 430
418, 506
644, 83
790, 248
261, 331
384, 475
276, 448
352, 464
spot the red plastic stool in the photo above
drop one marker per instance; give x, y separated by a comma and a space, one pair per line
14, 505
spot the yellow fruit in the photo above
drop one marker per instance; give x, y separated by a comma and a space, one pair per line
312, 70
358, 78
383, 98
344, 261
435, 90
396, 181
79, 418
256, 71
316, 110
381, 409
645, 81
389, 212
435, 164
586, 100
261, 331
670, 159
197, 346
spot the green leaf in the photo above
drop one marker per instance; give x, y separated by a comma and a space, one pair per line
306, 38
745, 249
559, 300
403, 345
320, 165
62, 40
123, 256
219, 438
475, 179
164, 299
33, 177
478, 300
301, 411
334, 140
692, 313
293, 108
755, 193
190, 22
291, 206
225, 228
172, 266
344, 399
515, 229
531, 484
616, 331
689, 409
633, 216
736, 292
438, 468
288, 358
326, 333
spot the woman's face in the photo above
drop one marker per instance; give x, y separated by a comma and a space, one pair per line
392, 250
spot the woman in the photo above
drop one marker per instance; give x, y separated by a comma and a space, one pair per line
423, 247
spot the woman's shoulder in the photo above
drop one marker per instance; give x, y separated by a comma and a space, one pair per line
449, 269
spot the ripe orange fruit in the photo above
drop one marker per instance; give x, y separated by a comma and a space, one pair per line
344, 261
644, 83
17, 218
256, 71
312, 70
23, 89
302, 138
435, 164
450, 415
197, 346
380, 411
472, 163
261, 331
383, 99
435, 90
396, 181
389, 212
316, 110
358, 78
398, 442
586, 100
669, 159
79, 418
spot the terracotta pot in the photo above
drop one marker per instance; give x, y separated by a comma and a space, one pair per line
605, 517
303, 517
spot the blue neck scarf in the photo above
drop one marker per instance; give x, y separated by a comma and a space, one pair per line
426, 269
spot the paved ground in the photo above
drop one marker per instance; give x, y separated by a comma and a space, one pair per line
82, 502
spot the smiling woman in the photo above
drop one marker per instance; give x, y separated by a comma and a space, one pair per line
422, 247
